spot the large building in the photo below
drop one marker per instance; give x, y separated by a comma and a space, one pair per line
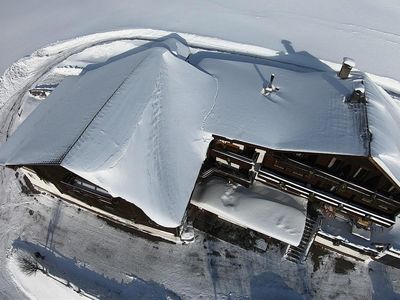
164, 129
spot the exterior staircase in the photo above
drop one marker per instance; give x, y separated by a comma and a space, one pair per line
298, 254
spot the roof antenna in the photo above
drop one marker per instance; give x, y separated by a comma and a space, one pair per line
270, 88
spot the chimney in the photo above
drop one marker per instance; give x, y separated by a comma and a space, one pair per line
358, 94
347, 65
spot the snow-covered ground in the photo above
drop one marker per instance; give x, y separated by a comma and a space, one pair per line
83, 251
368, 32
55, 288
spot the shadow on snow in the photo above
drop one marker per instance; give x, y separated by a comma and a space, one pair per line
93, 283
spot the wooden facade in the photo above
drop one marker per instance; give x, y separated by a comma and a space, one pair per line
352, 184
70, 184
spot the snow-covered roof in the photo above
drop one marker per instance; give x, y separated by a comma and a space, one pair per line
384, 124
131, 126
307, 114
263, 209
139, 124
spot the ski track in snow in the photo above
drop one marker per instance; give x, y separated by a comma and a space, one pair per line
375, 31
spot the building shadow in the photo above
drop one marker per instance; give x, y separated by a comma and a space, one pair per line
92, 283
269, 285
55, 219
289, 59
381, 283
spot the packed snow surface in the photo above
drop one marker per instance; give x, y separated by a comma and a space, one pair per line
266, 210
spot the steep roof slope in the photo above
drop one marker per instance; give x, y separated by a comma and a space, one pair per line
48, 133
384, 124
147, 140
132, 126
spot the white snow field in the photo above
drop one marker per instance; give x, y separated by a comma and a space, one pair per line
367, 32
85, 254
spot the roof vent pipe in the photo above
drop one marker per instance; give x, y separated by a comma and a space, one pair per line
347, 65
270, 87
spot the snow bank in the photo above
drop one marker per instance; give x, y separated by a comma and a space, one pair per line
263, 209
